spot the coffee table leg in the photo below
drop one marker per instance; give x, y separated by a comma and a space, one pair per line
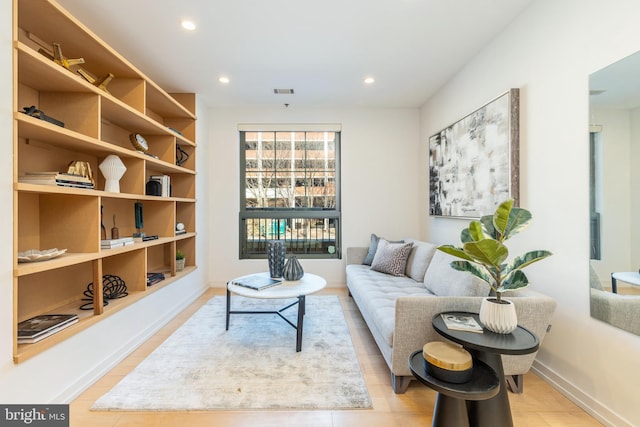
301, 312
228, 308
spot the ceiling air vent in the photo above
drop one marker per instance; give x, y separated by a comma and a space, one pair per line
283, 91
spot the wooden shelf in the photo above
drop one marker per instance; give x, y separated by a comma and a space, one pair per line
97, 123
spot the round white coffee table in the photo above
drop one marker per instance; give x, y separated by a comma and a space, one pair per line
308, 284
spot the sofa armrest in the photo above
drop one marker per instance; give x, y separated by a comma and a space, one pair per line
356, 254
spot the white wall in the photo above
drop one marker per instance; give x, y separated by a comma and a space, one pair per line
60, 373
548, 52
380, 180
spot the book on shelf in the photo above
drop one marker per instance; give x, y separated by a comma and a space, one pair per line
42, 326
179, 232
456, 322
116, 243
61, 179
153, 278
257, 283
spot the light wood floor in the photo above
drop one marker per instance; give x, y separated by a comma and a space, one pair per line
539, 406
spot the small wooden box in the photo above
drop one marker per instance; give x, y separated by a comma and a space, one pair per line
447, 362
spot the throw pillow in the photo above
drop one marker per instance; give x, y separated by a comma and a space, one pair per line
419, 259
391, 258
442, 280
373, 247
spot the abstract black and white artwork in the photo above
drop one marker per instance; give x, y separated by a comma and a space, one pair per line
473, 164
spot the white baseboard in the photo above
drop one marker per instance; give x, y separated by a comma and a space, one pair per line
110, 361
590, 405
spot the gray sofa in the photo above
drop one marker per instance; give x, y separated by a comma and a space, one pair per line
398, 309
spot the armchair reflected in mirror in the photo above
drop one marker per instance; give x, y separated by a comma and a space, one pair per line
614, 141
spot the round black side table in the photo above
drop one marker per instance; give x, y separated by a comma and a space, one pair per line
488, 347
450, 409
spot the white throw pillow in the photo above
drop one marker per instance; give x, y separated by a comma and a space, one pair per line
442, 280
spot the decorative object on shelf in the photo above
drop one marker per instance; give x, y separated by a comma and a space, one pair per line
484, 254
276, 251
180, 260
103, 229
292, 269
139, 143
100, 83
77, 167
88, 293
115, 233
59, 58
180, 229
113, 287
138, 215
34, 255
473, 163
181, 155
447, 362
112, 168
39, 114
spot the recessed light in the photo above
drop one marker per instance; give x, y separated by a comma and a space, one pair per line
224, 80
188, 25
369, 80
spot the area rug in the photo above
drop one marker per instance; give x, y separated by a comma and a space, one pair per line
253, 365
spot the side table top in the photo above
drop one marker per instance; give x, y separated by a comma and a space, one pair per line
308, 284
520, 341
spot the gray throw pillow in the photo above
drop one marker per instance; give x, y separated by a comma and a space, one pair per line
373, 247
442, 280
391, 258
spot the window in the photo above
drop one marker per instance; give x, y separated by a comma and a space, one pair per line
595, 185
290, 191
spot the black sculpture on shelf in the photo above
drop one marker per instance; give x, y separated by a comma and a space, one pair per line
38, 114
113, 287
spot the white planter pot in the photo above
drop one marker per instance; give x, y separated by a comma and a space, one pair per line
498, 317
180, 264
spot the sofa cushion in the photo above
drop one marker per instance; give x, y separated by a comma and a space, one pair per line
442, 280
373, 247
391, 258
419, 259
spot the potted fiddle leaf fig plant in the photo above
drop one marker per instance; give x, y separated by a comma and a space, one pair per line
484, 254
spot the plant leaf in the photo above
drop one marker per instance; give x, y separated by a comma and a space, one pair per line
515, 280
465, 236
518, 220
489, 229
501, 217
524, 260
456, 252
475, 231
473, 269
487, 251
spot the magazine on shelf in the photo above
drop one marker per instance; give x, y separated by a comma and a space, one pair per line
60, 179
457, 322
39, 327
257, 283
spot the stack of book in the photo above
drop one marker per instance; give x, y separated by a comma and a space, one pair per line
165, 182
60, 179
40, 327
153, 278
116, 243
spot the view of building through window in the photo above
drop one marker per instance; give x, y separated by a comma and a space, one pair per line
290, 192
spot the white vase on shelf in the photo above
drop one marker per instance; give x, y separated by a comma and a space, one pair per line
112, 168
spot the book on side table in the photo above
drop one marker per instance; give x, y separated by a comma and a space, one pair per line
461, 323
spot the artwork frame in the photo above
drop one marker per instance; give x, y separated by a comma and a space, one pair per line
474, 162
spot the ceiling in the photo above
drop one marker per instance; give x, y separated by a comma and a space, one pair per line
321, 49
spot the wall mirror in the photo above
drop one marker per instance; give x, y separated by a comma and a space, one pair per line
614, 141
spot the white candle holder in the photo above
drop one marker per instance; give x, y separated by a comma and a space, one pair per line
112, 168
